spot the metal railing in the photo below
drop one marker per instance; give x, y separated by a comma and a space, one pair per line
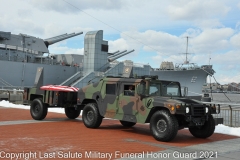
14, 96
28, 50
72, 79
13, 87
230, 114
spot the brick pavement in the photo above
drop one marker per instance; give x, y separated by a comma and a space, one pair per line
57, 137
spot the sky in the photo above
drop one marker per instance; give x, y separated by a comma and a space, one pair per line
235, 131
156, 30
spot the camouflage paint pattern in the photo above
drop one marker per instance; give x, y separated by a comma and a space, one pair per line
118, 105
128, 108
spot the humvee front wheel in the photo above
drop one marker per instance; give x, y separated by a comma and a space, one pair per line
127, 124
38, 109
72, 113
91, 117
163, 126
204, 131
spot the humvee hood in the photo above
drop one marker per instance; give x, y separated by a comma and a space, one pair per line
162, 100
188, 101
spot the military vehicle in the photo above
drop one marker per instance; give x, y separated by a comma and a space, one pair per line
153, 101
150, 100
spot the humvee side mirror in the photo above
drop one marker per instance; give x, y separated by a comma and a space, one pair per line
185, 91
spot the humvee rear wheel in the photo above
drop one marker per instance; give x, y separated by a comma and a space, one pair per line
204, 131
91, 117
38, 109
127, 124
72, 113
163, 126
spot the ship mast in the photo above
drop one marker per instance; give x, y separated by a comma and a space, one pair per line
186, 61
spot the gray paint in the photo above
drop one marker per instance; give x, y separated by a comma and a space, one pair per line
193, 79
39, 78
94, 57
21, 74
31, 43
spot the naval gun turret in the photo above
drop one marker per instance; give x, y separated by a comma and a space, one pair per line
52, 40
118, 55
25, 44
27, 48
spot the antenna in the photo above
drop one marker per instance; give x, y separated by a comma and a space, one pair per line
186, 61
187, 50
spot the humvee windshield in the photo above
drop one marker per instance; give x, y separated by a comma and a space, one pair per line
155, 89
169, 89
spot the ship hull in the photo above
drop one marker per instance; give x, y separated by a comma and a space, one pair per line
20, 74
193, 79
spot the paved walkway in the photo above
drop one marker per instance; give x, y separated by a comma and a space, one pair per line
221, 150
58, 136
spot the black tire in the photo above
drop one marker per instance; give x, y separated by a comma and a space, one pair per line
91, 117
38, 109
72, 113
204, 131
163, 126
127, 124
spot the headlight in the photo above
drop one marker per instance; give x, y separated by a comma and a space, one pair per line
171, 107
206, 109
187, 110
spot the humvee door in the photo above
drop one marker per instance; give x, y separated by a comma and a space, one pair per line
127, 101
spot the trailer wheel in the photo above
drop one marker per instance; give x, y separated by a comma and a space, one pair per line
72, 113
38, 109
91, 117
163, 126
127, 124
204, 131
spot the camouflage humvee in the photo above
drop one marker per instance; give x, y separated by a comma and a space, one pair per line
150, 100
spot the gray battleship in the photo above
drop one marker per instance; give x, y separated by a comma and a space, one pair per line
188, 74
21, 56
